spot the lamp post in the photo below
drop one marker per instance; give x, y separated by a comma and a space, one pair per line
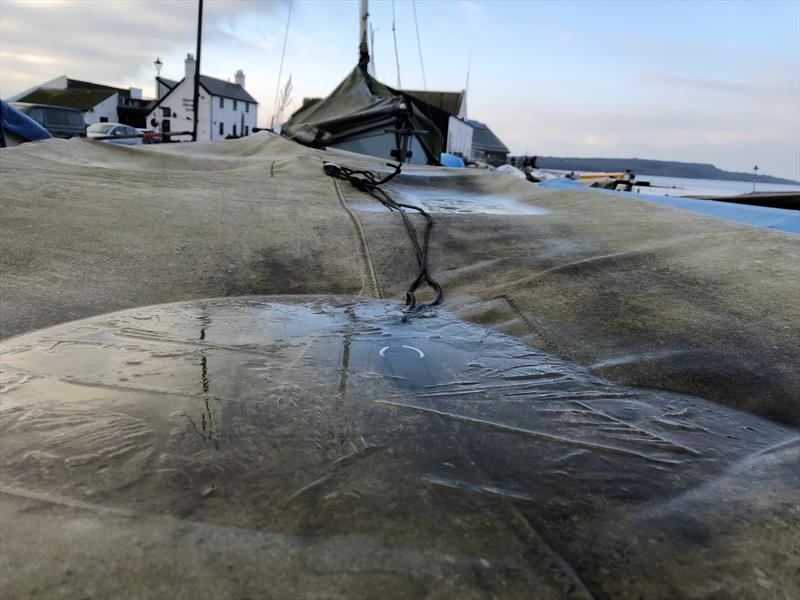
755, 173
158, 64
196, 94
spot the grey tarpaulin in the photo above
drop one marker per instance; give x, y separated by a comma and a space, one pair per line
361, 103
232, 448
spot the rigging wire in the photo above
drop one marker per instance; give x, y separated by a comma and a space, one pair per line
396, 56
280, 69
469, 67
419, 46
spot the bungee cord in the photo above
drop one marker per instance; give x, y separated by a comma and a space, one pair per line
367, 181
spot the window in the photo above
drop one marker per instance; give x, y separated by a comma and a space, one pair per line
37, 115
100, 128
246, 107
234, 129
234, 105
221, 126
104, 119
247, 129
75, 118
221, 103
165, 111
56, 117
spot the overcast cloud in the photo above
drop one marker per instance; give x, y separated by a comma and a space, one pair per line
113, 42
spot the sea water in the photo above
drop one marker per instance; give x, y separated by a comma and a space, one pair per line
684, 186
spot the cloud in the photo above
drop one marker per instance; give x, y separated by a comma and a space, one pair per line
472, 8
754, 87
113, 42
729, 139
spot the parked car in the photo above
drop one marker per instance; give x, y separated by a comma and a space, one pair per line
150, 136
60, 121
115, 133
16, 127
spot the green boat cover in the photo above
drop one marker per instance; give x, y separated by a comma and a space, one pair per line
361, 104
208, 388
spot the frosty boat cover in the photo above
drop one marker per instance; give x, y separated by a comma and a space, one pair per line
357, 113
207, 388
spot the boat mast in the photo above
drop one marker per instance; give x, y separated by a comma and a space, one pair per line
363, 48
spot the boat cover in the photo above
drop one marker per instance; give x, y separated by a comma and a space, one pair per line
606, 406
360, 104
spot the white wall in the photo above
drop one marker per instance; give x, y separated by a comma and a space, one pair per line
230, 117
180, 105
107, 108
459, 137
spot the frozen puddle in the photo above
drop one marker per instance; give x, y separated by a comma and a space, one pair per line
443, 200
345, 430
322, 381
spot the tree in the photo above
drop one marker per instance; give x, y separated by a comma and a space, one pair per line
284, 99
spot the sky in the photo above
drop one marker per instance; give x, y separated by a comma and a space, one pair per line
714, 82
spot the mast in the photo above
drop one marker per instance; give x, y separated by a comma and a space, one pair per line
371, 68
363, 48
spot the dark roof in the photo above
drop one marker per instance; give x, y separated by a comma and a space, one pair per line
72, 98
449, 102
88, 85
483, 139
217, 87
124, 93
170, 83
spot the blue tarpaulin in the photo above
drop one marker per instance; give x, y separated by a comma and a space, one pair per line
773, 218
451, 160
18, 123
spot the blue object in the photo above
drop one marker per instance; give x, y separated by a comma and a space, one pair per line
18, 123
782, 219
451, 160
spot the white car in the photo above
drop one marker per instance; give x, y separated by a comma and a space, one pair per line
114, 133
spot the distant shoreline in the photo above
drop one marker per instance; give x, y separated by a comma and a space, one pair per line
663, 168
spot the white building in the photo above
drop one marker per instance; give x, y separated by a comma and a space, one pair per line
224, 108
448, 111
99, 103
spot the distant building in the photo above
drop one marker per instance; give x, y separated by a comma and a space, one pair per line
224, 108
99, 103
448, 111
486, 146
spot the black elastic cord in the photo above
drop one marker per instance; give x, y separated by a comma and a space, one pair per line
366, 181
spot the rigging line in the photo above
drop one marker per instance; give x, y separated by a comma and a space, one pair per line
469, 67
419, 46
280, 69
396, 56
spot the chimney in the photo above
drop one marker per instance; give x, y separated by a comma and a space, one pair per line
189, 63
239, 78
